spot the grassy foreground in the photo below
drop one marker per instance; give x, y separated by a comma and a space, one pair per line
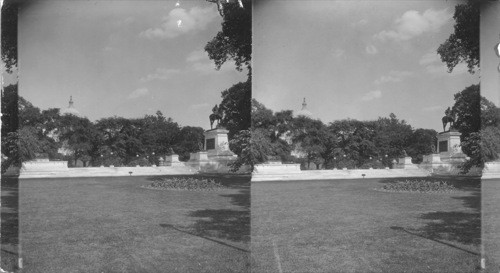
491, 223
348, 226
115, 225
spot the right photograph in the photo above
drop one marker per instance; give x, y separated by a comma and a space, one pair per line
490, 134
373, 141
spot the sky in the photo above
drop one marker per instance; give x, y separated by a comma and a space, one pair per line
489, 61
123, 58
356, 59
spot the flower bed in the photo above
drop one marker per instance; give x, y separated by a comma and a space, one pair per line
422, 185
188, 184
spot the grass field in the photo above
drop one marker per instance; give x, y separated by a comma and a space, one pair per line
115, 225
347, 226
491, 223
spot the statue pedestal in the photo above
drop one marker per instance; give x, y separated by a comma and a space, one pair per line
449, 147
217, 143
217, 157
405, 163
449, 157
173, 160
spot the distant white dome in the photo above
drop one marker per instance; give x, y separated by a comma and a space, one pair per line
304, 111
71, 110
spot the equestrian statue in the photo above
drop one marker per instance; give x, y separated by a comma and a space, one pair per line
215, 116
449, 118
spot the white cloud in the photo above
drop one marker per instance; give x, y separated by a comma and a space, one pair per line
194, 19
198, 61
432, 108
360, 23
412, 24
160, 74
371, 49
429, 58
433, 65
197, 55
374, 94
198, 106
393, 76
209, 68
138, 93
337, 53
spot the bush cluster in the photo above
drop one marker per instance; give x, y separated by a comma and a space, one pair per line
419, 186
140, 161
189, 184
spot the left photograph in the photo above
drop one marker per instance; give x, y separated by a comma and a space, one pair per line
125, 142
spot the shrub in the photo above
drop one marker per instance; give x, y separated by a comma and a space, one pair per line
189, 184
418, 186
373, 164
346, 163
141, 162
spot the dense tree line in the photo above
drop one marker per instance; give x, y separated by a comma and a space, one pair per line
29, 132
377, 143
343, 143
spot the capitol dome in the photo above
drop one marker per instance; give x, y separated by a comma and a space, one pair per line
71, 110
304, 112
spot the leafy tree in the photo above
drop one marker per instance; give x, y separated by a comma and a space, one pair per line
10, 110
20, 146
355, 140
9, 33
467, 110
490, 143
309, 138
252, 147
189, 141
463, 43
79, 136
262, 117
284, 123
421, 143
236, 106
234, 41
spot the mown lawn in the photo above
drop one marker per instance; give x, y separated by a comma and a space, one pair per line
491, 223
115, 225
347, 226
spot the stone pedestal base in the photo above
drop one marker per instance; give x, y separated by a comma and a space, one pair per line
217, 142
405, 163
212, 164
448, 143
173, 160
217, 158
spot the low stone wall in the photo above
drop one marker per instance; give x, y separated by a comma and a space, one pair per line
289, 172
108, 171
491, 170
45, 165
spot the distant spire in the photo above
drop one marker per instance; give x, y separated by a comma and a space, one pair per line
70, 102
304, 104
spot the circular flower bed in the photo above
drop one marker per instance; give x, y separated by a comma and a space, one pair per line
422, 185
185, 183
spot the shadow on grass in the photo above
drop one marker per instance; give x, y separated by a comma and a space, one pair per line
458, 226
461, 227
226, 224
204, 237
473, 201
433, 239
233, 225
9, 230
